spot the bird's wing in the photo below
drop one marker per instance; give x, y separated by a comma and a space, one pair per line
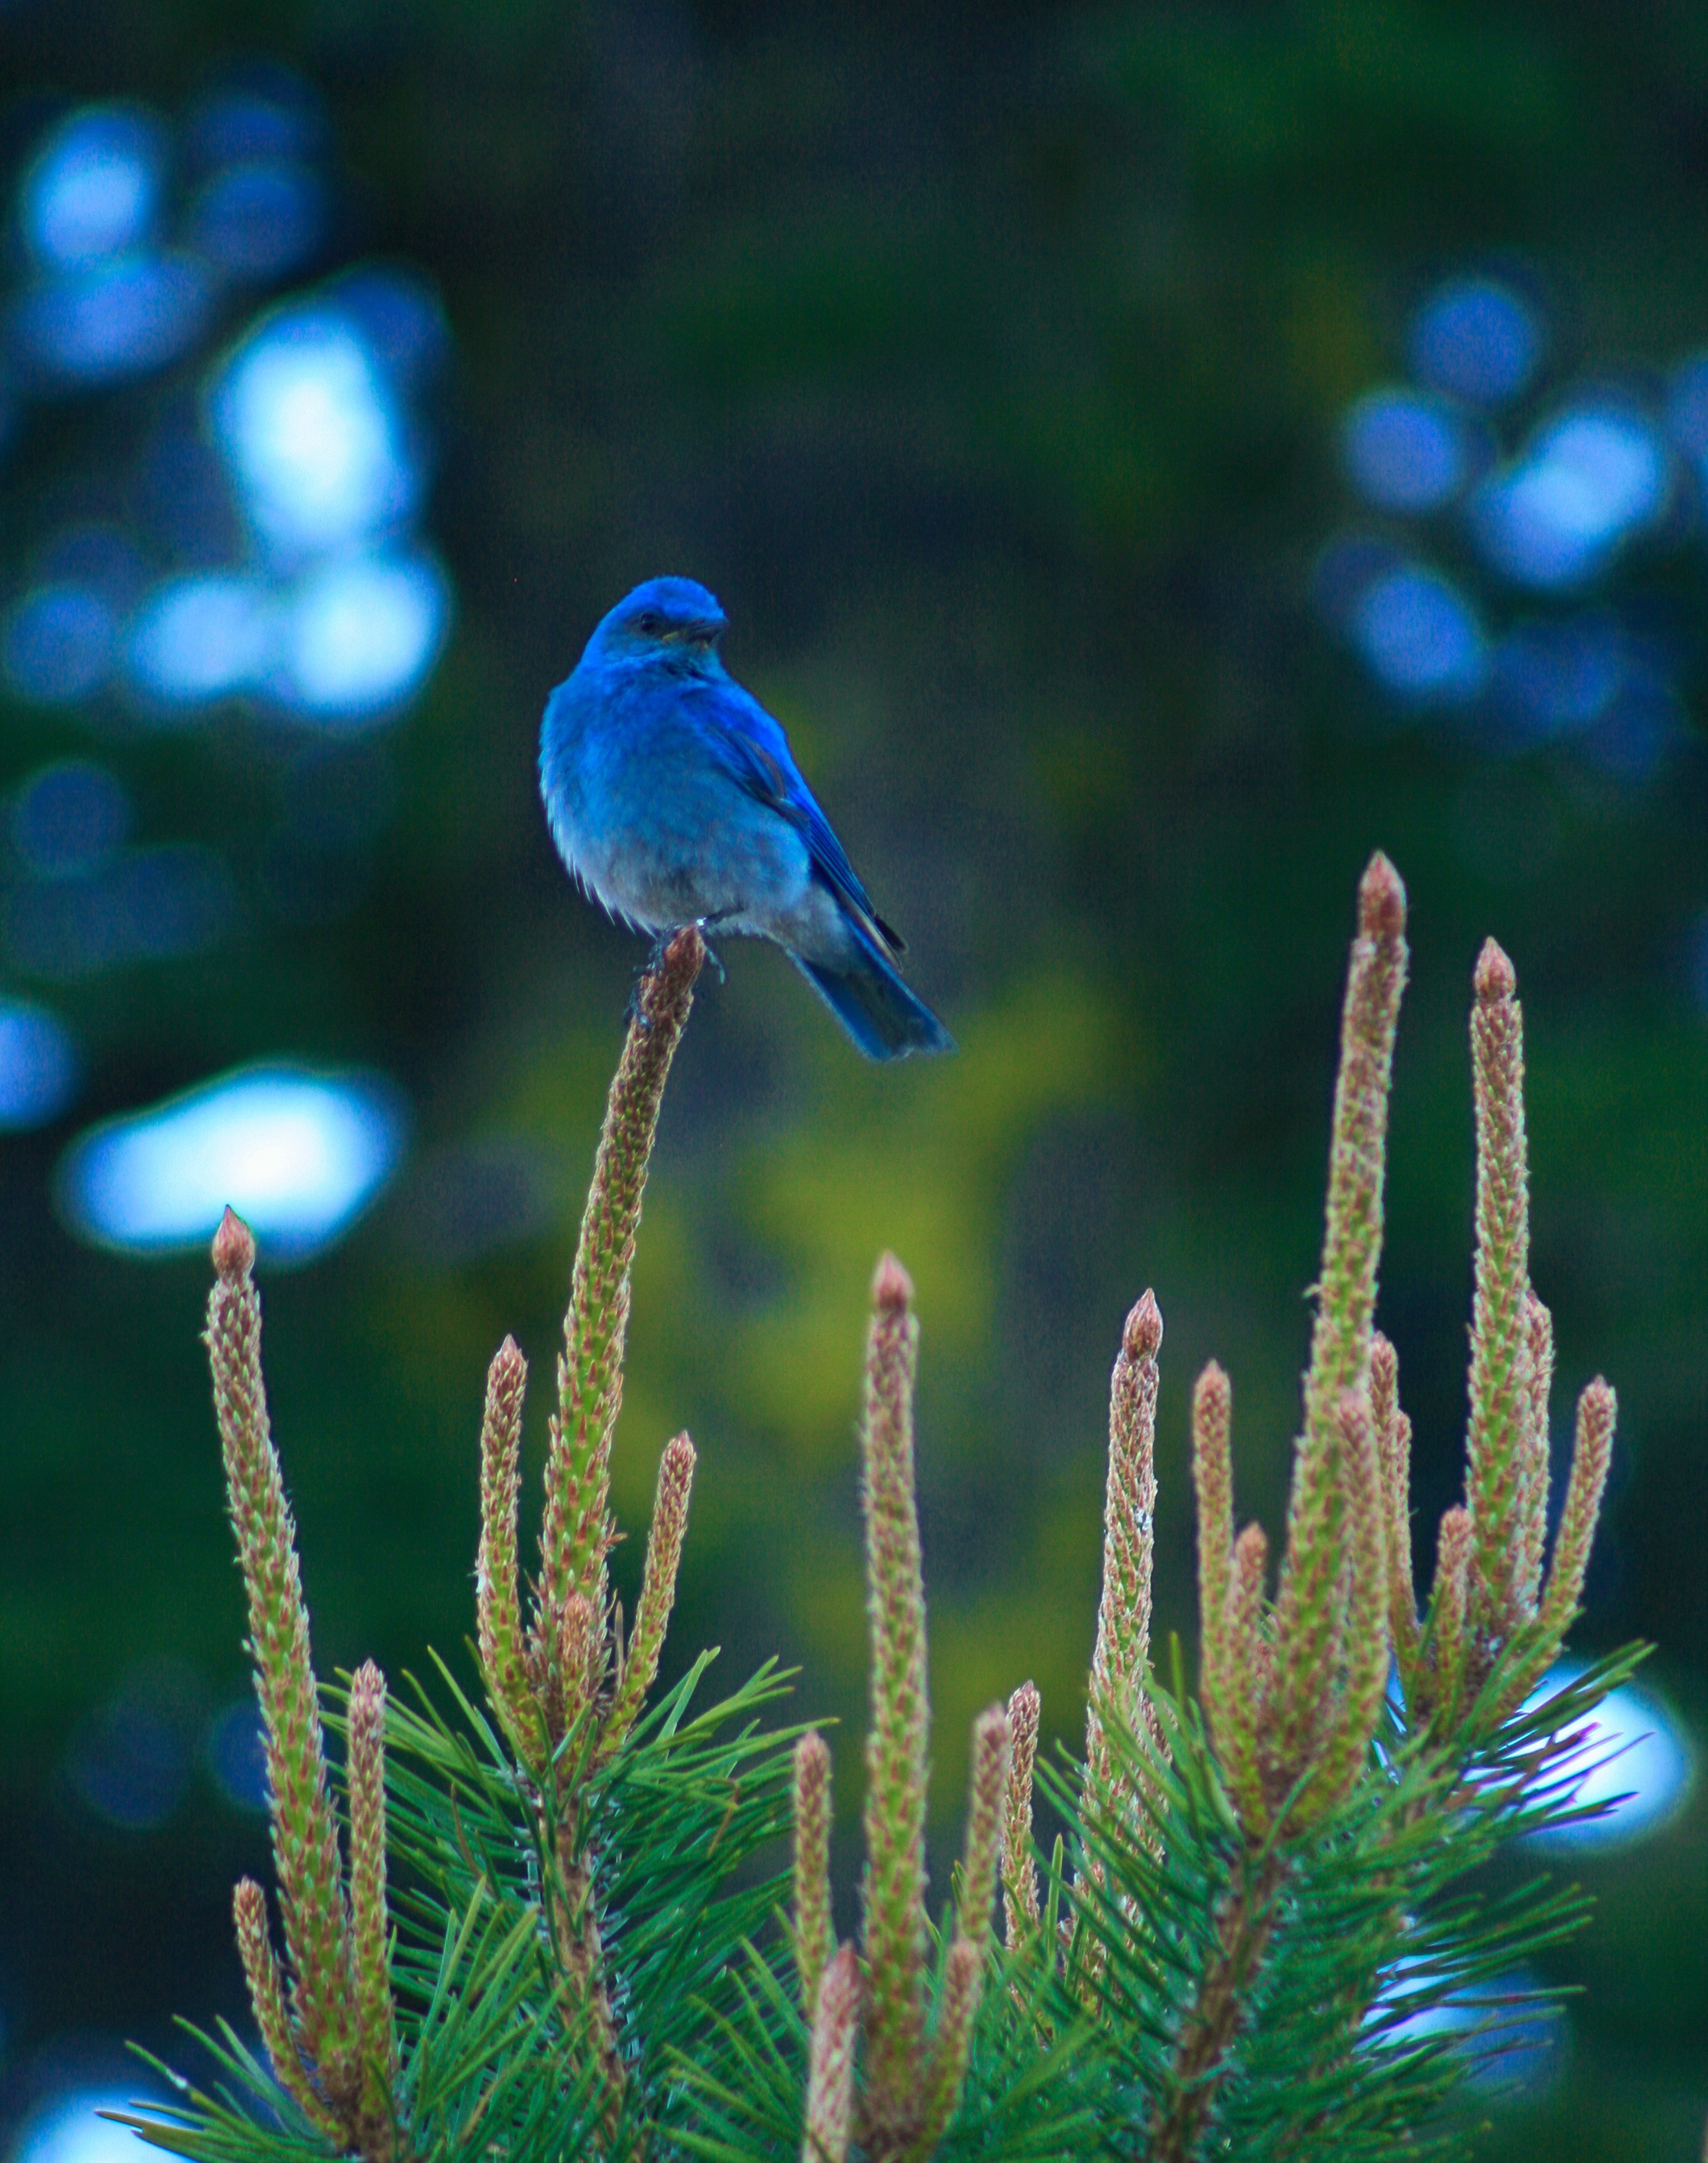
754, 751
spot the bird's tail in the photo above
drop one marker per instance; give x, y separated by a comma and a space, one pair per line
886, 1019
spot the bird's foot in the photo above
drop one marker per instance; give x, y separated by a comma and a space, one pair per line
705, 924
636, 1011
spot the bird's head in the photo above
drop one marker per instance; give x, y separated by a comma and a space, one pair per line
672, 619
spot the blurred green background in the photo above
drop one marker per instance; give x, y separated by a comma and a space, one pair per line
993, 366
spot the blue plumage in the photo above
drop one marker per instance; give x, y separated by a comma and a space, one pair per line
674, 798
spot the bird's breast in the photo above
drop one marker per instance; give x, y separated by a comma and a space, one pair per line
649, 819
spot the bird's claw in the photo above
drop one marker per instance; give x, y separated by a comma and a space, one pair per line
636, 1012
704, 924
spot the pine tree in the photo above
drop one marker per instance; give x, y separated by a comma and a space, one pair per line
566, 1915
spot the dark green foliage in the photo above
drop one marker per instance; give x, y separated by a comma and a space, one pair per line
1363, 1931
687, 1809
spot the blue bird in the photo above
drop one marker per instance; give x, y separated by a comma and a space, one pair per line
674, 798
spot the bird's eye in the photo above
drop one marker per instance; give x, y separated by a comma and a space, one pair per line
649, 623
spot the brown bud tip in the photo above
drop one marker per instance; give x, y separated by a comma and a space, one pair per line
1495, 978
234, 1247
368, 1682
685, 954
1024, 1707
1453, 1537
1142, 1336
1599, 1407
990, 1731
839, 1993
892, 1287
1381, 900
679, 1459
1212, 1386
508, 1364
812, 1756
1384, 1361
1251, 1552
248, 1904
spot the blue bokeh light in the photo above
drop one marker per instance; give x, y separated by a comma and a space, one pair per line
93, 189
1346, 568
1633, 1748
313, 435
401, 317
259, 110
1509, 2039
183, 497
299, 1154
1596, 475
235, 1752
129, 1763
96, 555
1633, 739
1419, 636
1553, 677
68, 818
361, 636
259, 219
203, 637
1590, 479
163, 904
71, 2129
1477, 339
1404, 451
56, 642
39, 1069
1687, 411
113, 318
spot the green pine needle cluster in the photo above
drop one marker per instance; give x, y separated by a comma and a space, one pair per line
562, 1915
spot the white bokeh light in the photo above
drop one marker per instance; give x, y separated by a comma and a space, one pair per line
313, 435
360, 635
71, 2129
1635, 1757
297, 1154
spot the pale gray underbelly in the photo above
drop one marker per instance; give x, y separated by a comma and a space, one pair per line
755, 882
